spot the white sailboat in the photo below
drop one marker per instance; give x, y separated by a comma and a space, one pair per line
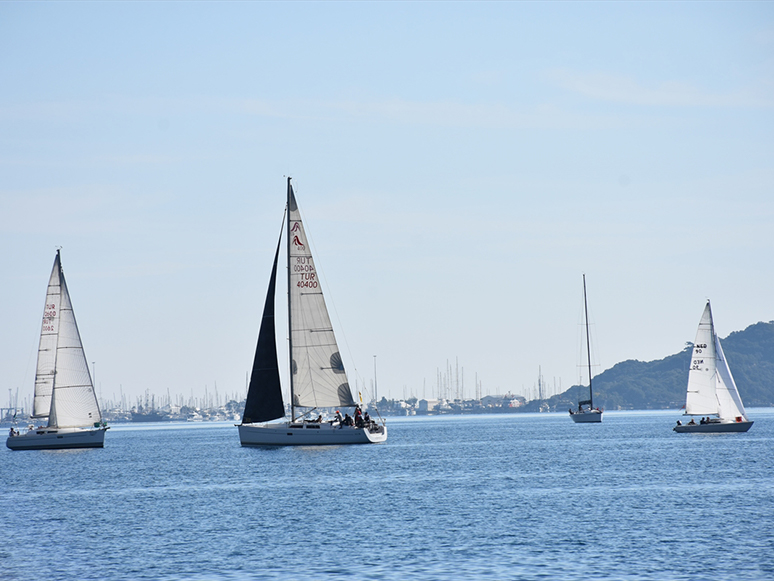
586, 412
711, 388
317, 376
64, 392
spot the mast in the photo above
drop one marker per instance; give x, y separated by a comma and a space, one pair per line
290, 322
588, 342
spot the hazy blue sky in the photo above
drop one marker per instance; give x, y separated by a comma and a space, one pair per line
459, 166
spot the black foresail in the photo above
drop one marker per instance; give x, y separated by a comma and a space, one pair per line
264, 396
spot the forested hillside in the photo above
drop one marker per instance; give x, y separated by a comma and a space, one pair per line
661, 384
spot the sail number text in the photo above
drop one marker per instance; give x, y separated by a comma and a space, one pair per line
305, 271
698, 347
49, 314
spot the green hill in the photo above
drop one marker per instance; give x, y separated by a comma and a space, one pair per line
661, 384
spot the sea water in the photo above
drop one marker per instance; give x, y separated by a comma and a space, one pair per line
518, 496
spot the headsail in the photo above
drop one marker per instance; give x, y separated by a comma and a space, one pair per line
49, 334
264, 396
73, 401
730, 405
318, 376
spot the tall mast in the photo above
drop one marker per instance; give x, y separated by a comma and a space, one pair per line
290, 322
588, 342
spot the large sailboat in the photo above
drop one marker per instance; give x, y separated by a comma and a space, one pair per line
586, 412
711, 388
64, 392
317, 376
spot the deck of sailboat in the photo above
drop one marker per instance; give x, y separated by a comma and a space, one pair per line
58, 439
587, 417
713, 427
308, 434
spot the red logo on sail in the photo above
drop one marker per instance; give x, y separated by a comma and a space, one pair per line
297, 242
296, 227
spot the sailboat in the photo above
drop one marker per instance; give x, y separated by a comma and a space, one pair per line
64, 392
586, 412
317, 376
711, 388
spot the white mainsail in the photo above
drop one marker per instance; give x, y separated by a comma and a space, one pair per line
711, 387
319, 379
700, 398
63, 387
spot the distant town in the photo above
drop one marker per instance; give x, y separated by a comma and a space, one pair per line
216, 408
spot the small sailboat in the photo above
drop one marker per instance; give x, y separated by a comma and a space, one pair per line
64, 392
586, 412
317, 376
711, 388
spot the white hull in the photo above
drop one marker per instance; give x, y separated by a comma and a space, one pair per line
58, 439
308, 434
586, 417
713, 427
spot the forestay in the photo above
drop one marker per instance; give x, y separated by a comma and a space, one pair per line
319, 379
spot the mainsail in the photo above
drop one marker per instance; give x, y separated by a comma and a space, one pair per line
318, 378
264, 396
711, 387
63, 380
49, 334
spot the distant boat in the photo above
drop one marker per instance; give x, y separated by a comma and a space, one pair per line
64, 392
317, 376
586, 412
711, 388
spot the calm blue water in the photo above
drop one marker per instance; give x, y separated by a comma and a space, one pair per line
466, 497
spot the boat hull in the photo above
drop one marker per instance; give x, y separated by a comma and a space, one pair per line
308, 434
587, 417
713, 428
58, 439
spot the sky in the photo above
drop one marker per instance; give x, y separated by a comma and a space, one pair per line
459, 167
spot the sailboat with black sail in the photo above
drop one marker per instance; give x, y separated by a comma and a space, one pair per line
586, 412
712, 392
64, 391
317, 377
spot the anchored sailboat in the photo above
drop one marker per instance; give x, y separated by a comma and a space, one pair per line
711, 387
586, 412
317, 376
64, 392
